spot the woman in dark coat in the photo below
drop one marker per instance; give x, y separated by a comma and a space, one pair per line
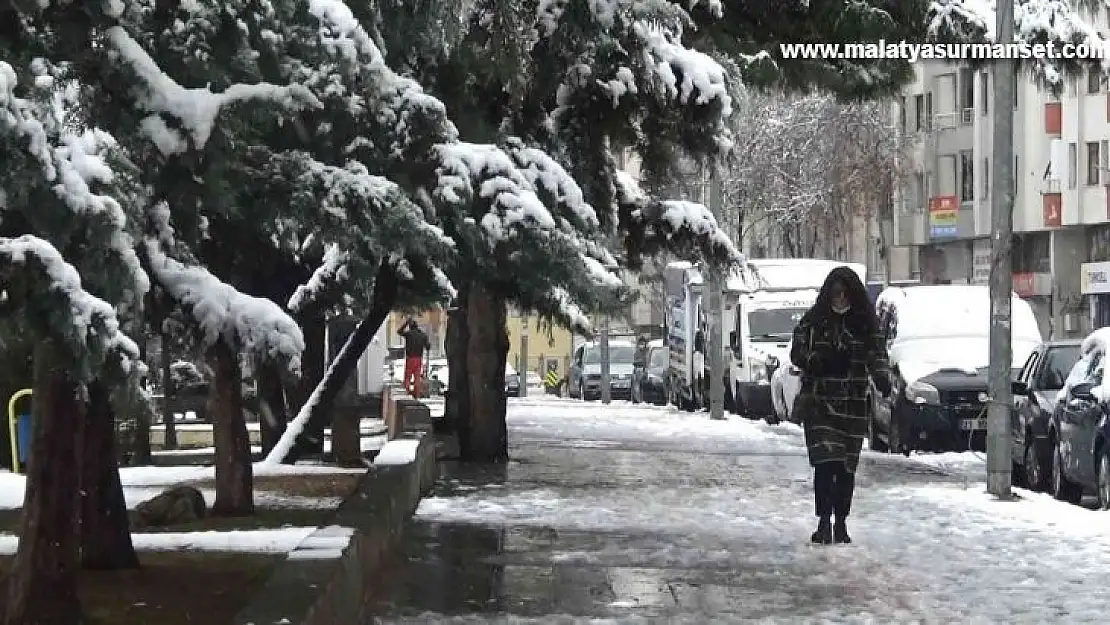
837, 345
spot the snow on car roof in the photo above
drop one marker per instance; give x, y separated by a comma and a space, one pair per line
944, 310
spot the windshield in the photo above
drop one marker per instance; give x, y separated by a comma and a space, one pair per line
660, 358
1058, 362
774, 323
623, 354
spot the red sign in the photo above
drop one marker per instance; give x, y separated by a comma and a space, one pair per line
944, 204
1025, 284
1052, 206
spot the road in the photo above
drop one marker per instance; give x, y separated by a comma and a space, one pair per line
649, 515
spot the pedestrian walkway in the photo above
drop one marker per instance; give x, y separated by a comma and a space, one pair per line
646, 515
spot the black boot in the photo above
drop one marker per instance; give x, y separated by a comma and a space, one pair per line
823, 535
840, 533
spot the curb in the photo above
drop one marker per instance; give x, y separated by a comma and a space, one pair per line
333, 575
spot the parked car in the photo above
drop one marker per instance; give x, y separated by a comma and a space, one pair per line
648, 381
938, 345
438, 376
1079, 428
1036, 392
585, 370
786, 382
512, 383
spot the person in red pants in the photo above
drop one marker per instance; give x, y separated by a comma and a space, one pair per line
416, 342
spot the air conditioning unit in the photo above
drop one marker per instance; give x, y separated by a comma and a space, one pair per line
945, 121
967, 116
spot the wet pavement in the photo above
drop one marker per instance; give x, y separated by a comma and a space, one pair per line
646, 528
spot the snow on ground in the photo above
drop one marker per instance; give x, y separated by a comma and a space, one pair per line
398, 452
245, 541
141, 483
928, 547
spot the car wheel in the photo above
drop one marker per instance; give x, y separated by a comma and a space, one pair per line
875, 443
1103, 479
1036, 470
1063, 489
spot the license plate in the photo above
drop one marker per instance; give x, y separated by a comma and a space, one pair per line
973, 424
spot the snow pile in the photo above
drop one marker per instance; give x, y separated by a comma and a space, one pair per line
253, 324
326, 543
91, 325
1096, 346
398, 452
195, 110
237, 541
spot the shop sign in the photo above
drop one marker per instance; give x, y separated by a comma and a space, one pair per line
1094, 278
944, 211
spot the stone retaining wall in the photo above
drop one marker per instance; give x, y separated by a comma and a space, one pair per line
312, 586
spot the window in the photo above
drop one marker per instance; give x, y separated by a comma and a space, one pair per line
1027, 370
919, 111
1094, 80
902, 114
1017, 174
984, 92
1073, 165
967, 90
1092, 163
985, 177
1104, 157
929, 111
919, 191
967, 177
1058, 361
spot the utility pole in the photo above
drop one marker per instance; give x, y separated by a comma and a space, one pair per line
606, 395
716, 348
716, 316
522, 369
999, 460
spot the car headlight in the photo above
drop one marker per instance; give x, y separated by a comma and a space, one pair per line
922, 393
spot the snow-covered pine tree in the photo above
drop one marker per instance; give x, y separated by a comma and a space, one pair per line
49, 173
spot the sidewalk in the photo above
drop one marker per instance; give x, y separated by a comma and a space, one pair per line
642, 515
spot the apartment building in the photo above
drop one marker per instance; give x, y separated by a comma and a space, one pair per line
1062, 197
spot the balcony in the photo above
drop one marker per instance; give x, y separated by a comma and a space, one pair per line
1052, 119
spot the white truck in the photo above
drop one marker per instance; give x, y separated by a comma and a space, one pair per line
683, 314
762, 307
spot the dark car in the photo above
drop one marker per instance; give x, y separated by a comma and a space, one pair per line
1078, 433
647, 381
1035, 397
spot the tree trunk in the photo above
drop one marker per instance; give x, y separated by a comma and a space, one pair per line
314, 326
234, 477
272, 409
169, 435
140, 435
42, 587
456, 415
488, 346
309, 426
105, 531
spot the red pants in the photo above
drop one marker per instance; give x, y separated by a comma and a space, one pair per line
413, 367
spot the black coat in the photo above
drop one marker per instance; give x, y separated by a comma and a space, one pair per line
837, 355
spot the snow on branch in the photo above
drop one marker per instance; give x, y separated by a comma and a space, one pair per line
569, 313
548, 177
1035, 21
71, 162
684, 227
87, 323
195, 109
331, 272
253, 324
684, 74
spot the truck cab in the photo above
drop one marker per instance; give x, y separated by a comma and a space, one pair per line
767, 302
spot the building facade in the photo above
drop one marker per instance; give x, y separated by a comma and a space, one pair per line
1061, 201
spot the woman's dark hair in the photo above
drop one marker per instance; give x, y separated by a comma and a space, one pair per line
862, 311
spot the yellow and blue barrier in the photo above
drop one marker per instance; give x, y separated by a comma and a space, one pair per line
19, 430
